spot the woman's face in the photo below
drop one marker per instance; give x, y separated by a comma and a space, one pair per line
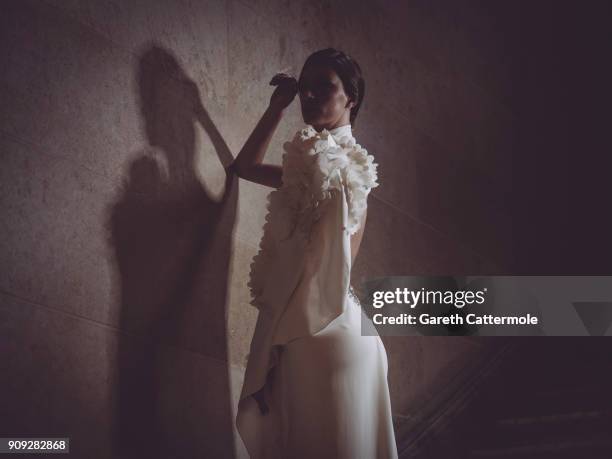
324, 102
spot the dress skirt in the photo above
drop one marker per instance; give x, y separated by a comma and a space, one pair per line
329, 396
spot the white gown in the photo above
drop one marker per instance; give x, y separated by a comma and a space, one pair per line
315, 387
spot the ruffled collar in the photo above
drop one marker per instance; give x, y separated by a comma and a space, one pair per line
335, 136
342, 131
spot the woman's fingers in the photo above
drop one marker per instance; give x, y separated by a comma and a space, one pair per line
276, 80
286, 89
280, 78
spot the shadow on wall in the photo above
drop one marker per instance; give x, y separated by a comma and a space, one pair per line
171, 241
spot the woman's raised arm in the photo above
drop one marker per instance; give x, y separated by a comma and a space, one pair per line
249, 162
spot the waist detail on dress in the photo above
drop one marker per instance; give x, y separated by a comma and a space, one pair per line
351, 293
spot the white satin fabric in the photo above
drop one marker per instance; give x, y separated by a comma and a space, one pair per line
323, 383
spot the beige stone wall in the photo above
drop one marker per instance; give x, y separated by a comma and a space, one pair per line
125, 252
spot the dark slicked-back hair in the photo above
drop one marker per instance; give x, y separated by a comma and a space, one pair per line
347, 69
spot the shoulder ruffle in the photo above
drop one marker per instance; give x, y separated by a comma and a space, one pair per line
361, 176
315, 163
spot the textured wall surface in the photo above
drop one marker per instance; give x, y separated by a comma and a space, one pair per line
125, 249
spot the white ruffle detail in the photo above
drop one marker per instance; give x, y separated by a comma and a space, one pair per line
314, 165
279, 220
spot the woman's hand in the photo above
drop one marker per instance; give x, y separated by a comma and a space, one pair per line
259, 397
286, 89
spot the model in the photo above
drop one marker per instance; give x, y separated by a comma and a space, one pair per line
315, 386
